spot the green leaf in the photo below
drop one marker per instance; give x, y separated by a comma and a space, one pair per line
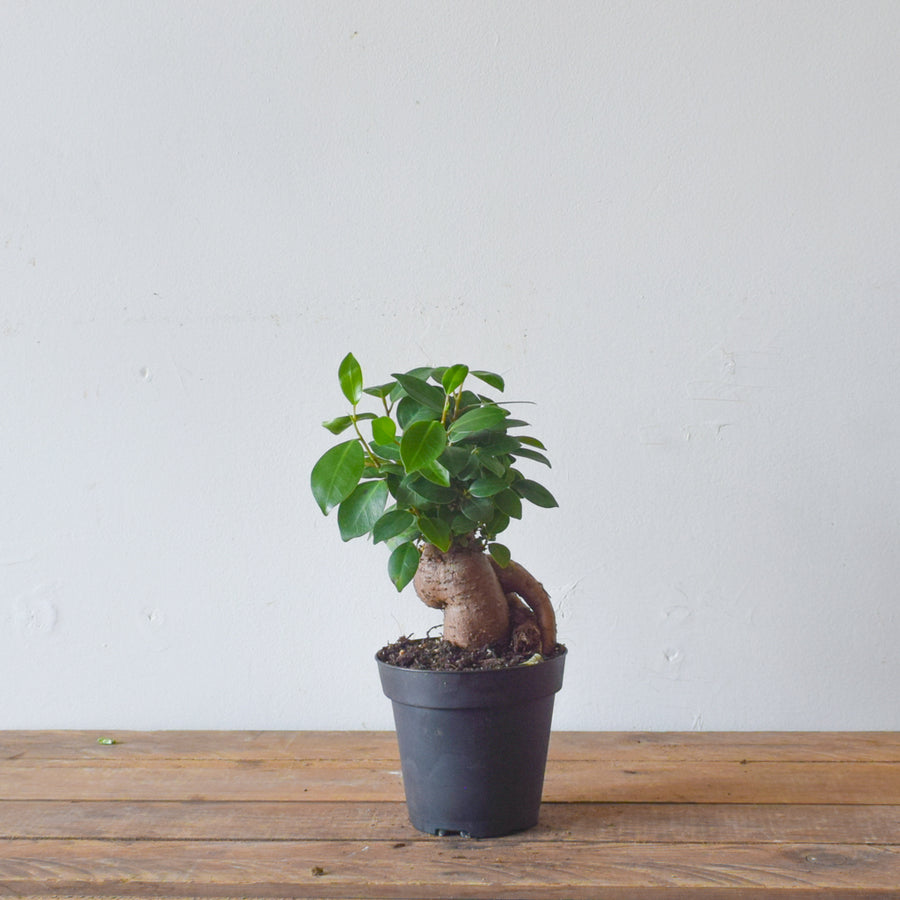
362, 509
336, 474
477, 509
487, 486
469, 400
534, 492
500, 522
476, 420
380, 390
461, 525
409, 411
387, 451
509, 502
432, 492
453, 377
422, 443
492, 464
454, 459
350, 375
435, 531
427, 394
342, 423
532, 454
402, 564
436, 473
384, 430
491, 378
500, 554
338, 425
500, 445
532, 442
409, 498
391, 524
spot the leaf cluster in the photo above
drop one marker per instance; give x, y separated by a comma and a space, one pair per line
437, 463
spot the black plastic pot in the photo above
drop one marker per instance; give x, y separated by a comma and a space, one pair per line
473, 745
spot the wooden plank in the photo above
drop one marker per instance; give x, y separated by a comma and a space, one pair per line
573, 782
453, 868
559, 822
193, 745
772, 746
382, 745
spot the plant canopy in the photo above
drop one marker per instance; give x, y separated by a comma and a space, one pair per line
437, 465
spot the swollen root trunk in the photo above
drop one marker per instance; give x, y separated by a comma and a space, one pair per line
515, 579
462, 583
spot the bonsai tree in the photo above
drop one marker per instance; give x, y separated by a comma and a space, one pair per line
433, 475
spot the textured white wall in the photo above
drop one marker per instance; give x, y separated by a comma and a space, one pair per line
674, 226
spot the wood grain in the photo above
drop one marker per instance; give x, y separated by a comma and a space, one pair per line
559, 823
772, 746
320, 814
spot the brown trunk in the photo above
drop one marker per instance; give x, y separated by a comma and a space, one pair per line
462, 583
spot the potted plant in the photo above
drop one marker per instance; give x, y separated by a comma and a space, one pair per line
433, 474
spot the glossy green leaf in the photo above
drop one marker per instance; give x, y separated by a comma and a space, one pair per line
528, 453
336, 474
535, 493
407, 497
454, 459
532, 442
485, 417
435, 531
427, 394
477, 509
338, 425
500, 522
492, 464
452, 378
422, 443
499, 445
487, 486
469, 400
436, 473
362, 509
491, 378
384, 430
402, 564
391, 524
380, 390
387, 451
342, 423
350, 375
409, 411
500, 554
431, 491
462, 525
509, 502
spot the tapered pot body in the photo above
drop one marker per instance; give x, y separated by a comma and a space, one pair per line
473, 745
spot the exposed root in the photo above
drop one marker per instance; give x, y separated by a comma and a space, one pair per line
517, 580
525, 636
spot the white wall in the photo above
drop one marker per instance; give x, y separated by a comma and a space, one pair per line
676, 226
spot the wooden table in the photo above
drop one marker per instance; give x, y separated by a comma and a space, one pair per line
320, 814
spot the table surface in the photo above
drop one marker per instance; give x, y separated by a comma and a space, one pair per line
321, 814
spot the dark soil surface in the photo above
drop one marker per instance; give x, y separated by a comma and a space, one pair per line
441, 656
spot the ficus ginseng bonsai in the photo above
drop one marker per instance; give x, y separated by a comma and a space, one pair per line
437, 481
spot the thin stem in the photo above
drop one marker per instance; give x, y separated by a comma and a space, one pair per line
366, 447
